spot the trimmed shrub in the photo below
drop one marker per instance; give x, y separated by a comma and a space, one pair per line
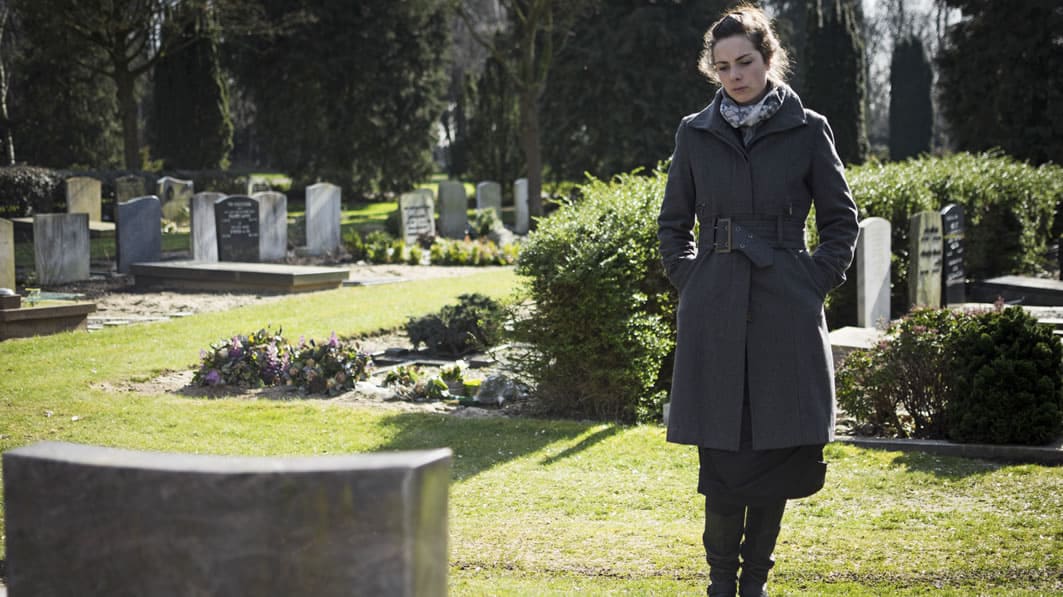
475, 323
26, 190
602, 328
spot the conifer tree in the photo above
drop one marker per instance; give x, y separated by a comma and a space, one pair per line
911, 108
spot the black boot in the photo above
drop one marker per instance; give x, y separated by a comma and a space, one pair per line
762, 529
722, 538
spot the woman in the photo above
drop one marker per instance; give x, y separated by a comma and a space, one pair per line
753, 384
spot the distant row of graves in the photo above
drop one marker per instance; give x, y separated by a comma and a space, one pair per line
228, 228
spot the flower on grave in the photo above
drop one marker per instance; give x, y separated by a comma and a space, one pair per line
333, 341
213, 377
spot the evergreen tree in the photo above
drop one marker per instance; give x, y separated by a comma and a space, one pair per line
911, 108
493, 139
190, 124
835, 75
999, 78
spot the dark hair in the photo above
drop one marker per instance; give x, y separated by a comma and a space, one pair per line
749, 21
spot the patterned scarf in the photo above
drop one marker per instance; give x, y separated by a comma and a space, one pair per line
746, 118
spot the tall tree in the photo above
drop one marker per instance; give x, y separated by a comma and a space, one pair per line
999, 79
911, 107
190, 125
835, 75
494, 152
539, 30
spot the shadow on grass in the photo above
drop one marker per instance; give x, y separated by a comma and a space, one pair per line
480, 444
946, 467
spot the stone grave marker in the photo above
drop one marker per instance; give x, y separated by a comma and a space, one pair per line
89, 520
204, 229
954, 276
61, 247
322, 218
258, 184
176, 197
83, 197
138, 232
925, 259
453, 209
127, 188
873, 273
237, 218
520, 204
489, 196
7, 254
272, 225
417, 214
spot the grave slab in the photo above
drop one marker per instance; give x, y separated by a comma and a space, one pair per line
61, 247
83, 196
139, 231
272, 226
127, 188
323, 205
7, 254
520, 205
42, 320
236, 221
1018, 289
954, 277
204, 230
489, 196
417, 216
176, 197
453, 209
275, 278
847, 339
88, 520
925, 262
873, 273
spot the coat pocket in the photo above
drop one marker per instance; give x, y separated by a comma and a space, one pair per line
813, 273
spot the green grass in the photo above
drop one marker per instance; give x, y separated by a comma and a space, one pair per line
547, 507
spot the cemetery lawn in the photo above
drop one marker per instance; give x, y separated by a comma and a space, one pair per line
551, 507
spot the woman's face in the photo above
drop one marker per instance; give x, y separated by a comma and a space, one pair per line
741, 69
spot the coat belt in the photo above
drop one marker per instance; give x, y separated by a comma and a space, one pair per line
755, 236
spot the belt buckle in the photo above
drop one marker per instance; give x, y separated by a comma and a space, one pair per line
723, 223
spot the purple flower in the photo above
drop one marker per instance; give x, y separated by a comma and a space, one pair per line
333, 341
213, 377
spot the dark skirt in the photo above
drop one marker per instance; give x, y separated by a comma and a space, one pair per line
751, 477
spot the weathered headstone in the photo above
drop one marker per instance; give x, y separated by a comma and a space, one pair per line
204, 229
138, 232
258, 184
924, 259
322, 218
86, 520
873, 273
7, 254
272, 225
127, 188
453, 209
61, 247
520, 205
417, 215
176, 197
236, 218
954, 276
489, 196
83, 197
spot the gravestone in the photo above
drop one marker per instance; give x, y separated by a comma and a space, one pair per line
127, 188
138, 232
7, 254
417, 216
954, 276
873, 273
453, 209
236, 218
204, 229
258, 184
322, 218
489, 196
89, 520
520, 205
924, 259
176, 197
61, 247
272, 225
83, 197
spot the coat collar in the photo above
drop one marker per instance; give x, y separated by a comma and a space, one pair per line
791, 114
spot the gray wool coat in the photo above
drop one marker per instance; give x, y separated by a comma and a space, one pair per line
754, 313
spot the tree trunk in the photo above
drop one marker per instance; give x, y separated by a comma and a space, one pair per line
532, 143
9, 137
125, 83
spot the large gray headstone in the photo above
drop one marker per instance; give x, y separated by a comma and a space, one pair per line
204, 230
61, 247
127, 188
453, 209
417, 216
236, 218
954, 275
924, 259
873, 273
520, 206
272, 225
176, 197
138, 232
7, 254
83, 197
489, 196
87, 520
322, 218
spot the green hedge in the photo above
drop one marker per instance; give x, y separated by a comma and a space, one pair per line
1010, 209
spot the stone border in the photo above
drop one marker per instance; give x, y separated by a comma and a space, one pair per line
1051, 455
